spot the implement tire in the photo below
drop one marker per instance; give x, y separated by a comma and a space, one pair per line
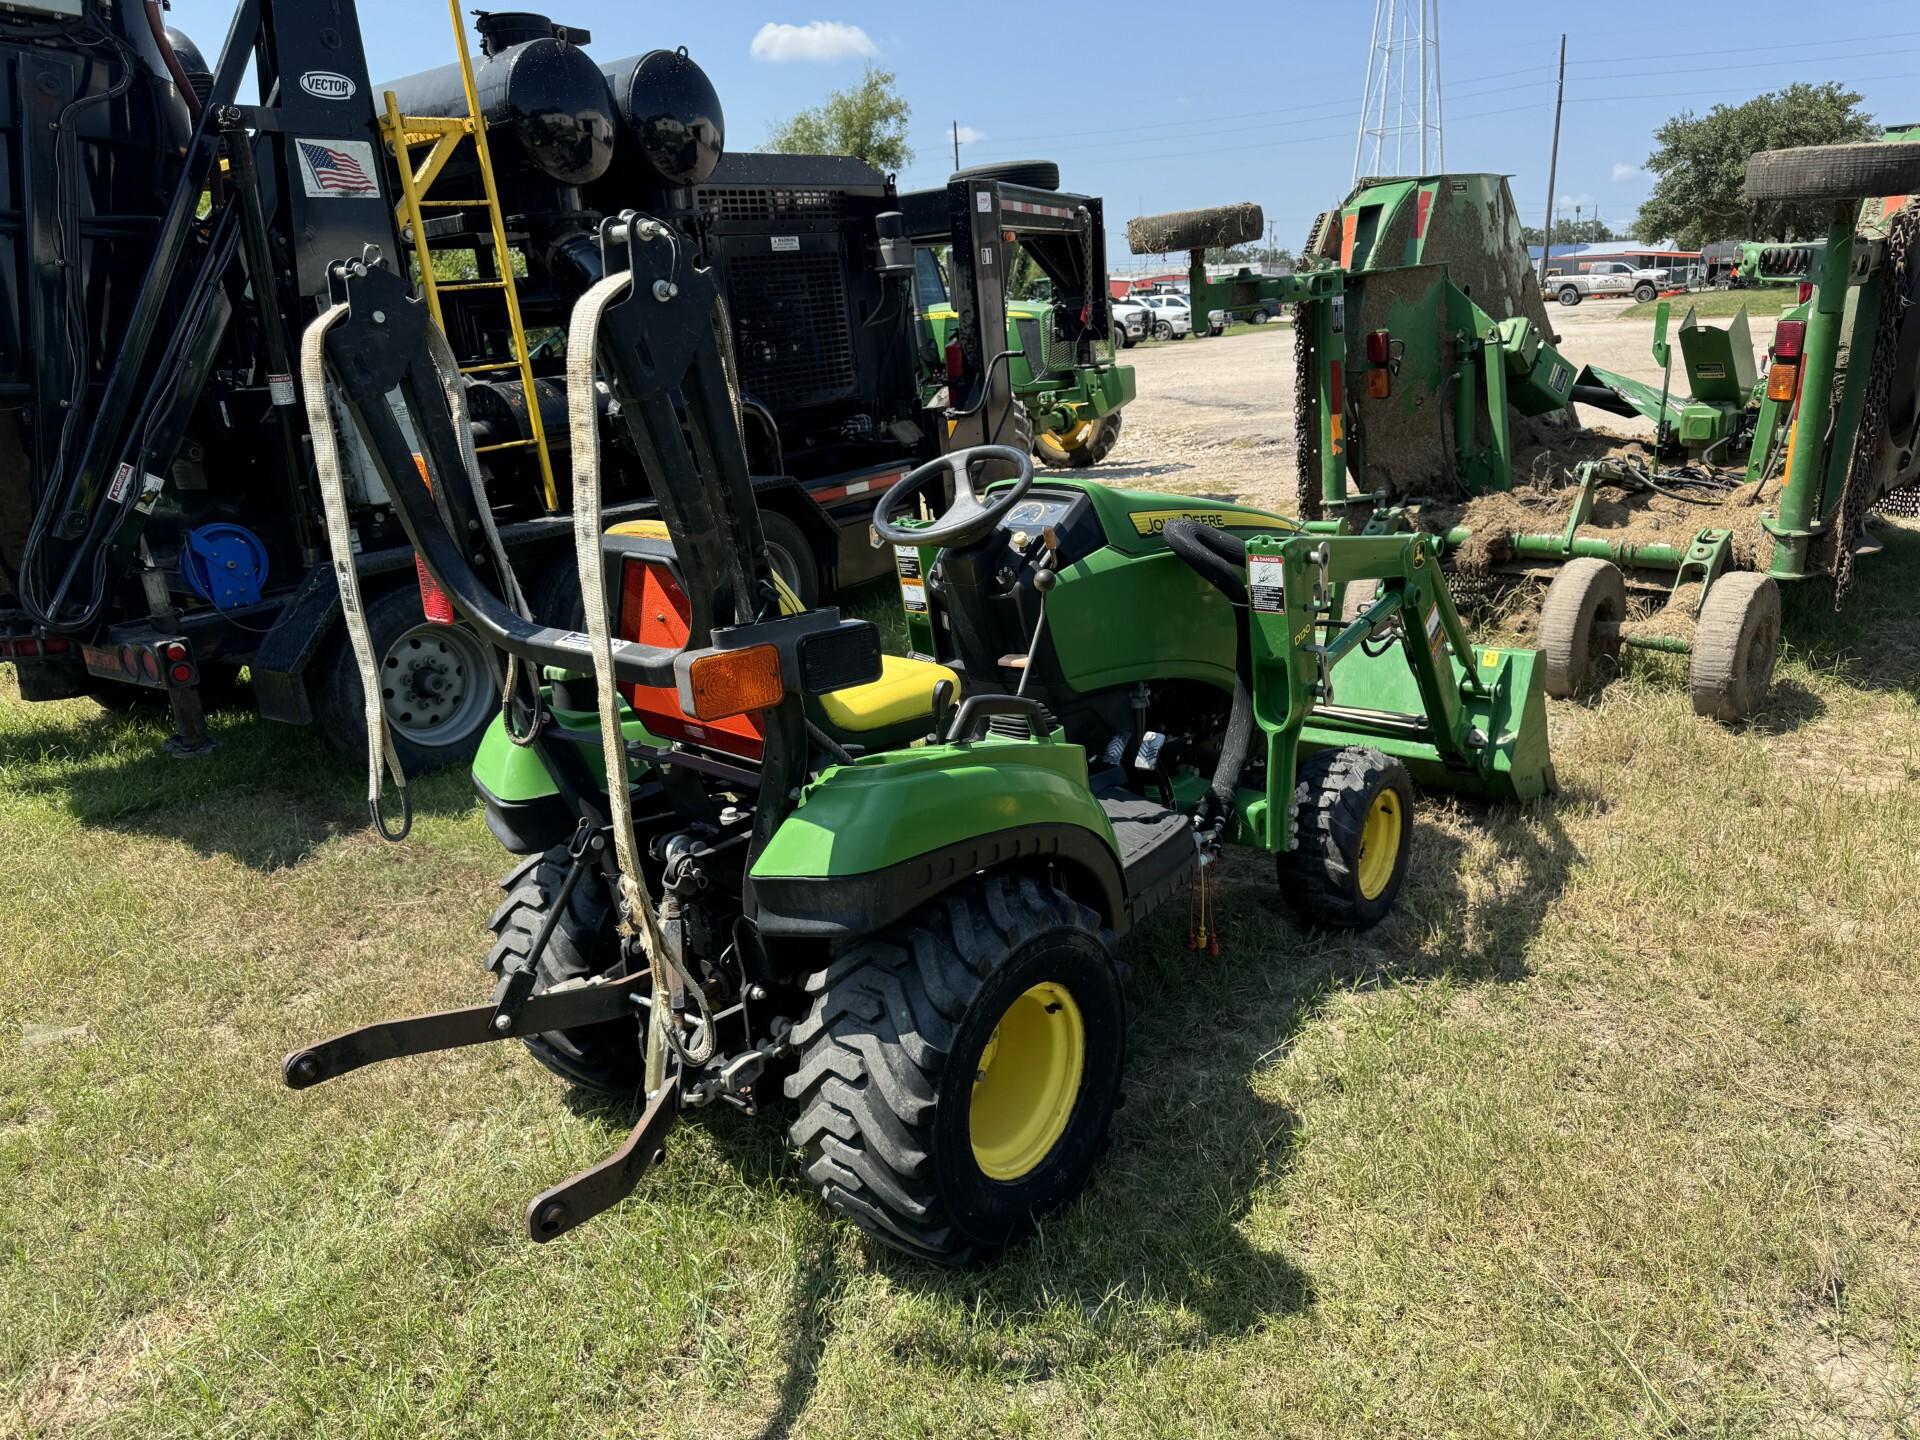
959, 1070
1834, 172
1735, 647
1587, 594
1034, 174
1221, 225
1353, 813
584, 945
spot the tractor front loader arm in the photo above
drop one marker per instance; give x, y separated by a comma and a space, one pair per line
1399, 673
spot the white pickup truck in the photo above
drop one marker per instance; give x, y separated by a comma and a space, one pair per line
1607, 277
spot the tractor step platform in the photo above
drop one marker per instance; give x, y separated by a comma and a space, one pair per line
1157, 849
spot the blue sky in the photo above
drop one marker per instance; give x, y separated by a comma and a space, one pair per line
1163, 107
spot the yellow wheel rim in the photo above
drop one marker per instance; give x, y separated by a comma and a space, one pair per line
1380, 844
1026, 1082
1061, 446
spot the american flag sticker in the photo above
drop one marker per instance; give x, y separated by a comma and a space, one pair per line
338, 169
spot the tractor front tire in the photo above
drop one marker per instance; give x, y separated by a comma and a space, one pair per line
585, 945
1088, 444
959, 1070
1353, 832
1586, 597
1735, 647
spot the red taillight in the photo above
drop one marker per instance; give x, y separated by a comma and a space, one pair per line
182, 674
1379, 347
1806, 291
55, 647
176, 651
654, 611
956, 364
26, 649
1789, 340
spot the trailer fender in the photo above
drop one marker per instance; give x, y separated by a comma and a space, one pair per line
871, 841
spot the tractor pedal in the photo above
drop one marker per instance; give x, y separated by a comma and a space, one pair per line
577, 1200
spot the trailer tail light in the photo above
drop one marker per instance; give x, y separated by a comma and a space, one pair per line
735, 682
1379, 384
1783, 377
1379, 347
1789, 340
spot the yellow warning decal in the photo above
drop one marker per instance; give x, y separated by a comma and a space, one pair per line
1489, 659
1152, 522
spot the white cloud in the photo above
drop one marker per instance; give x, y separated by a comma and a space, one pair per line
1624, 171
1568, 202
967, 134
816, 40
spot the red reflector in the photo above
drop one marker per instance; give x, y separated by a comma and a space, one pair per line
1379, 347
1806, 291
956, 365
1420, 213
149, 665
434, 603
1789, 340
26, 649
182, 674
55, 647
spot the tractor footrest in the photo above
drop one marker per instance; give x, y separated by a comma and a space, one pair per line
1157, 849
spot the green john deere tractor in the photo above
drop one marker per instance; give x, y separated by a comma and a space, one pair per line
1060, 357
889, 889
1426, 365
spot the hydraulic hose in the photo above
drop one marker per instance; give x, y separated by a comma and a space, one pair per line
1221, 560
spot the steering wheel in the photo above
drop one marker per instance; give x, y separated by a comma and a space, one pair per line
966, 521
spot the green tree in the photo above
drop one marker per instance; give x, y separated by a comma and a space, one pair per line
1702, 163
868, 121
1572, 232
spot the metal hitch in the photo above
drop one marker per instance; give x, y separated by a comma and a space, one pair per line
577, 1200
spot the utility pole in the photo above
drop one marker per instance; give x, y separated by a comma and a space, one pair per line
1553, 165
956, 144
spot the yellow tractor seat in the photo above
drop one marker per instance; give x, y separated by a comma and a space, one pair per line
896, 708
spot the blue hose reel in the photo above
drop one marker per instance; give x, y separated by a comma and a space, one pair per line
225, 564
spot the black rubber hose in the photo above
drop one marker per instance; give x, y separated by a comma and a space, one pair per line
1221, 559
1217, 557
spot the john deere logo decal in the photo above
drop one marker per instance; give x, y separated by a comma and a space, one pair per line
327, 85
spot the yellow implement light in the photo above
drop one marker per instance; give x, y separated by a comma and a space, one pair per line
735, 682
1782, 377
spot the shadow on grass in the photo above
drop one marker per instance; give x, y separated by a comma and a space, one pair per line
1163, 1253
1871, 641
269, 796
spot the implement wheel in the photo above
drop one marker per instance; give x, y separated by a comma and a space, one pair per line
1579, 622
1735, 646
1353, 818
1834, 172
958, 1071
1087, 443
584, 944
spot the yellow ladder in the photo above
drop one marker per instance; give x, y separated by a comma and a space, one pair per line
406, 133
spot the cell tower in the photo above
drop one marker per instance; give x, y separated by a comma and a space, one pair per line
1400, 108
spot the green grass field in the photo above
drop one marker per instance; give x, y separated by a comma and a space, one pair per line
1765, 302
1609, 1131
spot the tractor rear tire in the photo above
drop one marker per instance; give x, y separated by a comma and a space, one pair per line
1079, 450
1586, 595
1735, 647
959, 1070
789, 553
1034, 174
1353, 818
607, 1057
1834, 172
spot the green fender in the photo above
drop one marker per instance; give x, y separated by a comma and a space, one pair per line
513, 773
873, 840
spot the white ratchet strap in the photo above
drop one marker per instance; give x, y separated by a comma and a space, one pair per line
637, 914
333, 499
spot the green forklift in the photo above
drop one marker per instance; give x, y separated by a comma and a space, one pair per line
1061, 346
764, 861
1426, 366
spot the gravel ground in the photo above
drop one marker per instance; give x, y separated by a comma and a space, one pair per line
1215, 417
